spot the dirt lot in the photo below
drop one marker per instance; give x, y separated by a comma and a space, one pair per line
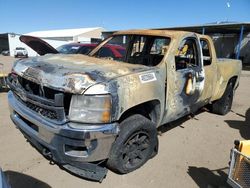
192, 153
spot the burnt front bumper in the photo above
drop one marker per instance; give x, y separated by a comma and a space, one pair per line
75, 149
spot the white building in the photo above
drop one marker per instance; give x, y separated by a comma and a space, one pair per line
13, 41
72, 35
56, 38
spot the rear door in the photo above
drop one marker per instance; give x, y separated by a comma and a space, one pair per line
210, 69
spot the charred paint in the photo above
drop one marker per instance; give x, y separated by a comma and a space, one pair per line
97, 75
77, 73
113, 90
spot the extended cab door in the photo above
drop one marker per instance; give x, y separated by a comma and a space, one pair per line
210, 68
189, 76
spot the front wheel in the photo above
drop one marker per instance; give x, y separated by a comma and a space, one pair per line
134, 146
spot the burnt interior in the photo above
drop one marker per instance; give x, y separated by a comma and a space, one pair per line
134, 49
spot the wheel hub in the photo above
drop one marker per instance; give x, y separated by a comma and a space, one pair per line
135, 149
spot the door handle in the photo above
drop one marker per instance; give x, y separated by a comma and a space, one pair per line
200, 78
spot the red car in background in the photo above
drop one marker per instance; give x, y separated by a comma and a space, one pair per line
113, 51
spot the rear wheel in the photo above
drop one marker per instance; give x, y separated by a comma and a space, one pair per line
224, 104
135, 144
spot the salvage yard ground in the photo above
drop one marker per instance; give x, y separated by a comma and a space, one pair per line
193, 152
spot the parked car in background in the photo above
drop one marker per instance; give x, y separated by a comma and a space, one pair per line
20, 52
112, 51
109, 51
5, 52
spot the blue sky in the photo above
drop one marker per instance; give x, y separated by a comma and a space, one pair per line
26, 16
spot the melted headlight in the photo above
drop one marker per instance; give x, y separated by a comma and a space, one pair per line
90, 108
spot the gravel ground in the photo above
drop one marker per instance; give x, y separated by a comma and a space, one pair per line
193, 152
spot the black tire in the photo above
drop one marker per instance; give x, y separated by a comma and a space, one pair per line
135, 145
224, 104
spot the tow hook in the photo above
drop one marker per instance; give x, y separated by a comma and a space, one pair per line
47, 153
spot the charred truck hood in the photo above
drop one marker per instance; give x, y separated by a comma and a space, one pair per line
72, 73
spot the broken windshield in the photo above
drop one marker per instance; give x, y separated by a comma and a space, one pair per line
134, 49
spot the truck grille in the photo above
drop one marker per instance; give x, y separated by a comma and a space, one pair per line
36, 89
49, 103
51, 114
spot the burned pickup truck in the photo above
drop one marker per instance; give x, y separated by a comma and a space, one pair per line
89, 112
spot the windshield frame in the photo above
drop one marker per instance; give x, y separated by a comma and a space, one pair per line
100, 45
105, 41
